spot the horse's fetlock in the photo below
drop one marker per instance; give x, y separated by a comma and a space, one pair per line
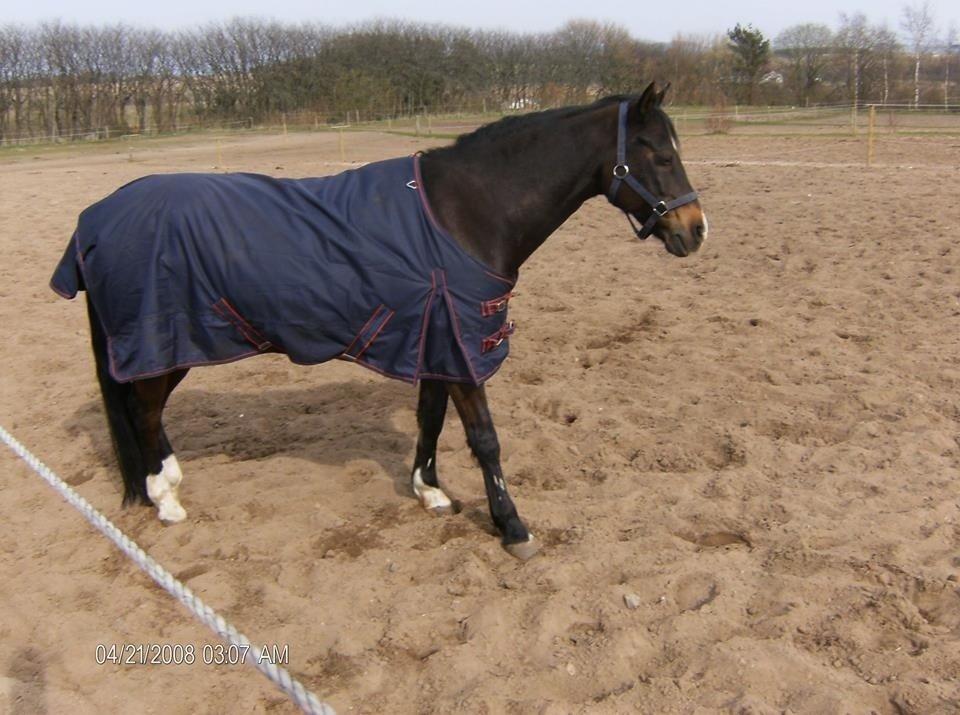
514, 531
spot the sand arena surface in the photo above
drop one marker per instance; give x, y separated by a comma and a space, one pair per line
758, 444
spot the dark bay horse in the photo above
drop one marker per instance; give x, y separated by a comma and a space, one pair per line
405, 266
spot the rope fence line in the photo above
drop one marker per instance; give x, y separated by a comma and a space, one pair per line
103, 133
280, 676
786, 163
836, 114
841, 111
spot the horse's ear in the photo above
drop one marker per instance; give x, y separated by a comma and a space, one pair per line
662, 93
648, 100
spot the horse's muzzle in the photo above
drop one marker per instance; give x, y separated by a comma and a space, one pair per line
675, 245
684, 232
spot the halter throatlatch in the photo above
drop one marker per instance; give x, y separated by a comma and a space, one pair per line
621, 174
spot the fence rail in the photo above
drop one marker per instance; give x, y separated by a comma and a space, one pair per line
462, 119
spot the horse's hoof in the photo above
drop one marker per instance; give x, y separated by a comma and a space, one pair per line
524, 550
434, 500
439, 510
171, 514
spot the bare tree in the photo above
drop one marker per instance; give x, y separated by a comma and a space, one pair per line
69, 81
866, 51
807, 48
950, 42
918, 22
14, 61
697, 66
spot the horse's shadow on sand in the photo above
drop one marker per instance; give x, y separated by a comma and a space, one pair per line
331, 424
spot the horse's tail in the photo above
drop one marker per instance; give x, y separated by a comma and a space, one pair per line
118, 403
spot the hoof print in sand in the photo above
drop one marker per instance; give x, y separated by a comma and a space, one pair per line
696, 591
717, 539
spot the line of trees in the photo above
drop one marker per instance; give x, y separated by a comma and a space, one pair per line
66, 80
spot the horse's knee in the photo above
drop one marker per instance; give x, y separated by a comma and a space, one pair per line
485, 446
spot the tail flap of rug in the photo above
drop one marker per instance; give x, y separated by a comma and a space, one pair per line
443, 354
67, 279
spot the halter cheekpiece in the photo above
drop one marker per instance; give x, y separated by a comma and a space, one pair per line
621, 175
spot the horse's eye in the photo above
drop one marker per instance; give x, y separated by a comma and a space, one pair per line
665, 160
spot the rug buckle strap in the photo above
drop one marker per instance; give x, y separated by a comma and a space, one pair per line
496, 305
496, 340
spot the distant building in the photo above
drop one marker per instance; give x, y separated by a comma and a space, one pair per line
523, 104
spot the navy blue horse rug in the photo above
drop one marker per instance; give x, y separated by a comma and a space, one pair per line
197, 269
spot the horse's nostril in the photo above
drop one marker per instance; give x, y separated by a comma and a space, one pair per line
699, 230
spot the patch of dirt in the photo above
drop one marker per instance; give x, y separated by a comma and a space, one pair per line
759, 444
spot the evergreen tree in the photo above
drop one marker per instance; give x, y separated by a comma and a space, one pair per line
751, 52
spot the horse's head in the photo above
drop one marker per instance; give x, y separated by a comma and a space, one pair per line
646, 178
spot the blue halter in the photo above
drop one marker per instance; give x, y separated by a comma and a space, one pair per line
621, 174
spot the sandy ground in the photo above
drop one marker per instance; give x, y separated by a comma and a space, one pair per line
759, 445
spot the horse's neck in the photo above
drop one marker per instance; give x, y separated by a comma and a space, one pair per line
503, 200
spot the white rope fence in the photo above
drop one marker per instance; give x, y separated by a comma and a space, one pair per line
307, 701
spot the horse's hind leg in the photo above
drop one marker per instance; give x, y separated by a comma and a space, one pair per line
117, 402
163, 475
431, 410
471, 403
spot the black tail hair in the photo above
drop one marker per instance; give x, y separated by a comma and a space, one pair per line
118, 404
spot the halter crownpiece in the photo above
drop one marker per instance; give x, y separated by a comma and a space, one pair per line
621, 174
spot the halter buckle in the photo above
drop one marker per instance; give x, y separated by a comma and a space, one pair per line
621, 168
661, 209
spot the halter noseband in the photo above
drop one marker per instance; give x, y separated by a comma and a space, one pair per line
621, 174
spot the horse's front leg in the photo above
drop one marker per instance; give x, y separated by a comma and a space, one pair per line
471, 403
431, 410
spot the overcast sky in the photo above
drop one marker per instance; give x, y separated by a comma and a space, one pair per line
642, 19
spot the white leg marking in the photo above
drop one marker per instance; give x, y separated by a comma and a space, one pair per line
430, 497
162, 489
171, 470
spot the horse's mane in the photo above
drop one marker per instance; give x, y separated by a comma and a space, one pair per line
509, 126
